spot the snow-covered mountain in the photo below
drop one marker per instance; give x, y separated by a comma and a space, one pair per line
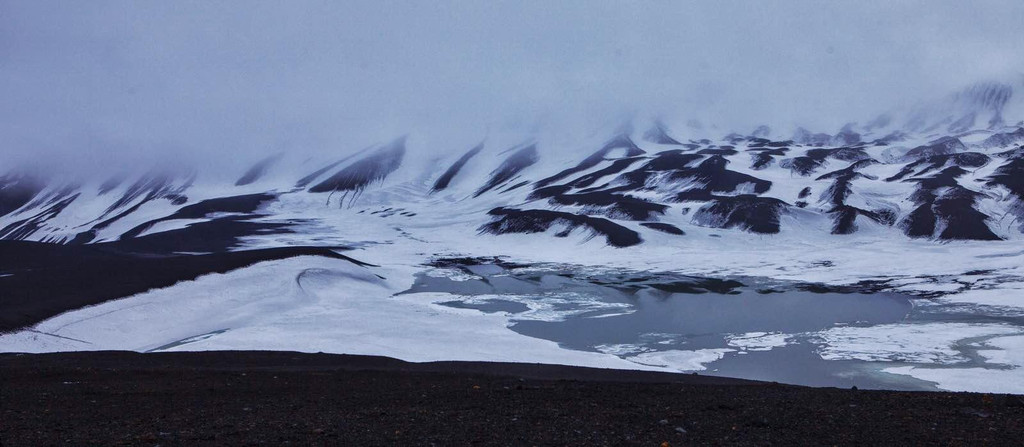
692, 250
949, 171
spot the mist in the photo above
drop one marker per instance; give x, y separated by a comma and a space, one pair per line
95, 83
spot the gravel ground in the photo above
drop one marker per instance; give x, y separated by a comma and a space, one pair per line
275, 398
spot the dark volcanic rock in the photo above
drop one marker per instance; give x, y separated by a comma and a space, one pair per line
26, 227
616, 167
946, 210
616, 206
290, 398
319, 172
619, 142
16, 190
519, 160
152, 185
1011, 176
244, 204
258, 170
664, 228
925, 165
453, 170
814, 158
372, 168
805, 137
761, 132
942, 146
1004, 139
746, 212
508, 220
658, 134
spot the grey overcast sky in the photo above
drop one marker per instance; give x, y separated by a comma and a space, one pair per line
232, 77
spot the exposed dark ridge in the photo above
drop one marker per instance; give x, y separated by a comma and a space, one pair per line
920, 222
16, 190
1004, 139
946, 208
850, 171
956, 209
616, 206
508, 220
779, 151
515, 163
365, 171
942, 146
846, 137
24, 228
802, 165
316, 174
761, 160
844, 218
839, 190
152, 185
213, 236
516, 186
746, 212
48, 279
658, 134
762, 131
719, 151
805, 137
1011, 176
664, 228
235, 204
734, 138
708, 176
258, 170
53, 196
111, 183
804, 193
548, 191
619, 142
670, 161
1012, 153
716, 178
616, 167
89, 235
446, 178
815, 158
928, 164
894, 137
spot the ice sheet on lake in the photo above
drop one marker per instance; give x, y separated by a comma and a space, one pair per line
758, 341
680, 360
1005, 351
929, 343
306, 304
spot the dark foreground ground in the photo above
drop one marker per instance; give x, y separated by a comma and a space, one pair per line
274, 398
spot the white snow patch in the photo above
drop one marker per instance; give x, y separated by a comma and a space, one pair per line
929, 343
680, 360
306, 304
758, 341
622, 349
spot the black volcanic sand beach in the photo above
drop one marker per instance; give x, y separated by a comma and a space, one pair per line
275, 398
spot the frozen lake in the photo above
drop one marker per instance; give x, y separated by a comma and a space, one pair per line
745, 327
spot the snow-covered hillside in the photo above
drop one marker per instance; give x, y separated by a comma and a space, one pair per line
926, 202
